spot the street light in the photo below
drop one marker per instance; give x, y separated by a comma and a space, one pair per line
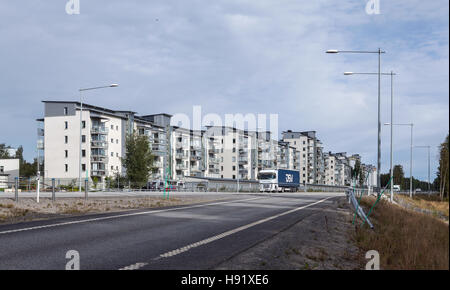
410, 162
379, 52
428, 147
81, 123
392, 121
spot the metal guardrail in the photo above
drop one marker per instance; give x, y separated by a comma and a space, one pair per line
359, 210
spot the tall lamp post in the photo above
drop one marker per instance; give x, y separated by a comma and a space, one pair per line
379, 52
81, 124
411, 155
428, 147
391, 74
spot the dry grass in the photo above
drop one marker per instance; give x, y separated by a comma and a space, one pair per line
424, 201
405, 239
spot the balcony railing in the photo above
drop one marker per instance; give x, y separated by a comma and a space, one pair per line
99, 144
180, 155
99, 130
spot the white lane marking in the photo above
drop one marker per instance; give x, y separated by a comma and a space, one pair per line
230, 232
136, 266
123, 215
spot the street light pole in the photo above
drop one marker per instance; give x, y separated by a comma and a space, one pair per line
428, 147
81, 126
379, 52
392, 121
411, 156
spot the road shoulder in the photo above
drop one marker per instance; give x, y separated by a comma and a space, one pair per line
321, 240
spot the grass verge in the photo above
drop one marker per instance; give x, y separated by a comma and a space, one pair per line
405, 240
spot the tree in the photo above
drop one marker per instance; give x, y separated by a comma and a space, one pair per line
4, 151
138, 160
398, 175
443, 169
357, 173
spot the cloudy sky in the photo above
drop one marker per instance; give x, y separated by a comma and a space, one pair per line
235, 56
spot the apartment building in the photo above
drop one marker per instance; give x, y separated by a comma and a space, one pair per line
307, 162
216, 151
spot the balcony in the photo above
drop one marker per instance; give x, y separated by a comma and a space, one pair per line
214, 160
99, 172
243, 160
179, 155
195, 158
99, 158
99, 130
180, 166
99, 144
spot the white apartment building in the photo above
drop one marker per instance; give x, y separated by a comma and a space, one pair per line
216, 151
9, 170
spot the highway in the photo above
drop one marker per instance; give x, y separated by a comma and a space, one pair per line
198, 236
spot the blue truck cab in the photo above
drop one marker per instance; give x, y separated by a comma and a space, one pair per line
278, 180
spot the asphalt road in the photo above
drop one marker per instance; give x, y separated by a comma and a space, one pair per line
184, 237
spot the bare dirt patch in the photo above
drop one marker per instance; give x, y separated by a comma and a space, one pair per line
28, 209
320, 241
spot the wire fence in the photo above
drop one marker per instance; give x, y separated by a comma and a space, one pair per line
28, 184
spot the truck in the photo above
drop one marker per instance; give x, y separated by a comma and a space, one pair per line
278, 180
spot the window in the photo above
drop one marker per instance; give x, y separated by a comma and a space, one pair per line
66, 139
234, 149
112, 168
112, 127
83, 138
83, 167
117, 128
66, 153
66, 167
303, 142
117, 167
2, 169
66, 111
221, 168
112, 154
234, 176
66, 125
233, 159
304, 155
234, 168
112, 140
304, 149
117, 154
295, 142
234, 141
83, 124
83, 153
117, 141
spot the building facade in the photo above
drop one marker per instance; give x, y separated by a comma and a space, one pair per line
180, 153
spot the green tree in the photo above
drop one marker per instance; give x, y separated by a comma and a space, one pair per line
357, 173
4, 152
138, 160
398, 175
443, 169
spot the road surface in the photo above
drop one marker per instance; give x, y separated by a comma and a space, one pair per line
197, 236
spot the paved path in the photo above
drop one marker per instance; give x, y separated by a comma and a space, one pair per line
184, 237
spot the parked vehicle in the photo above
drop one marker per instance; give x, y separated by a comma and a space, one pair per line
278, 180
396, 187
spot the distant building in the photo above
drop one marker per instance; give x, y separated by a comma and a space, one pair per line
9, 170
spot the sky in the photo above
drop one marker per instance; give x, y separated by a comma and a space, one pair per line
236, 56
